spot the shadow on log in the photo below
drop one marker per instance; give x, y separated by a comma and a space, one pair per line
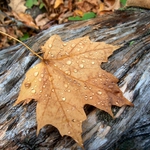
129, 130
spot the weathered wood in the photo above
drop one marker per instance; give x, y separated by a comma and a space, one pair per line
130, 63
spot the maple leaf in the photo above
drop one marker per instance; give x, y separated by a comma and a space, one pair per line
67, 79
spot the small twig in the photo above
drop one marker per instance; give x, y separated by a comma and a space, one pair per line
22, 44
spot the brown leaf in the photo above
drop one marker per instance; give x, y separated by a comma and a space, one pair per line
111, 5
67, 79
57, 3
88, 5
18, 5
41, 20
139, 3
27, 19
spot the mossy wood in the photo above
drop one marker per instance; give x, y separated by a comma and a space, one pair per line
130, 63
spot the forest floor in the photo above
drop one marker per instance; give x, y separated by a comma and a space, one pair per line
25, 18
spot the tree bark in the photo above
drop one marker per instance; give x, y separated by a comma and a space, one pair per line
131, 64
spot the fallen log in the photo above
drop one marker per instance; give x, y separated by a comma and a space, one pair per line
130, 64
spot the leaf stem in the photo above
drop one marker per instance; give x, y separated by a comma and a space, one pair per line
22, 44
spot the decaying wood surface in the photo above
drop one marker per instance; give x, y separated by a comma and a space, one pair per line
131, 64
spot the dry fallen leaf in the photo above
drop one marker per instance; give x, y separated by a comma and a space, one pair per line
139, 3
57, 3
18, 5
26, 18
67, 79
88, 5
41, 20
111, 5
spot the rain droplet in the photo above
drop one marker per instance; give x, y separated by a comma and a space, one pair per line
64, 44
36, 74
40, 91
33, 91
110, 86
68, 62
99, 92
63, 98
68, 90
99, 75
27, 84
42, 75
83, 61
43, 86
86, 56
65, 85
67, 53
68, 132
75, 70
50, 45
98, 103
53, 90
93, 62
40, 79
91, 97
73, 45
81, 65
73, 120
86, 97
67, 72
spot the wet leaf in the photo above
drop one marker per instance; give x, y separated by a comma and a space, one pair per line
67, 79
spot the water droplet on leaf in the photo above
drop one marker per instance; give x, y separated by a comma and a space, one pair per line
81, 66
36, 74
27, 84
65, 85
75, 70
63, 98
99, 92
67, 72
68, 62
33, 91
